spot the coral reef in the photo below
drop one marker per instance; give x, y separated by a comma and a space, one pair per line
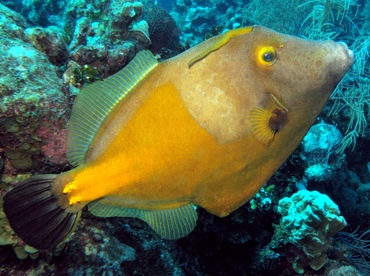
351, 99
102, 34
52, 41
344, 271
103, 42
36, 12
107, 35
309, 221
31, 97
84, 46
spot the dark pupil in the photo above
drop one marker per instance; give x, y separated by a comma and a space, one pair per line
268, 57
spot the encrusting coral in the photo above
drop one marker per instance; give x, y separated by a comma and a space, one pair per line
8, 237
88, 42
309, 221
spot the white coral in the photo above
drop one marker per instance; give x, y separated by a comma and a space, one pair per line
310, 220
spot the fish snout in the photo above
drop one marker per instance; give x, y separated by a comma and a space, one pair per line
343, 57
338, 60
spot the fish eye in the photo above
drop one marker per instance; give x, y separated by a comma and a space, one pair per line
266, 55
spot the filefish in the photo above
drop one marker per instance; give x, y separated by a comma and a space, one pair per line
206, 129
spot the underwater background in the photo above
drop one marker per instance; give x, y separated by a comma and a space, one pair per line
51, 49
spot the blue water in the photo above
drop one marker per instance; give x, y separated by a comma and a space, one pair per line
166, 4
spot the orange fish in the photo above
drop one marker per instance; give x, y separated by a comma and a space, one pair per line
206, 128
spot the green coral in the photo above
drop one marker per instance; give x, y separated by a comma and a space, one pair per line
263, 198
8, 237
84, 75
309, 221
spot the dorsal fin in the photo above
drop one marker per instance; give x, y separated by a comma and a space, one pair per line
97, 100
222, 40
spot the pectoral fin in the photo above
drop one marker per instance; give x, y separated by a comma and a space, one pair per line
265, 123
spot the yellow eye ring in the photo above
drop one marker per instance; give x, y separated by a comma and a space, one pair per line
266, 55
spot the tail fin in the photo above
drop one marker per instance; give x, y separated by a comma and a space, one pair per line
34, 214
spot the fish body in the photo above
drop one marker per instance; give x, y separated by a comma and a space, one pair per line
206, 128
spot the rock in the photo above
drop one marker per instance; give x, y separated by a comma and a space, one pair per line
320, 152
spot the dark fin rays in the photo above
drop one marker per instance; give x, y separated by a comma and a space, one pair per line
34, 214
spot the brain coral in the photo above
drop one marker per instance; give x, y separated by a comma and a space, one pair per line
163, 30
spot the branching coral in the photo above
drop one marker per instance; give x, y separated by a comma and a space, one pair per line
273, 14
353, 94
312, 19
326, 16
359, 246
366, 15
331, 19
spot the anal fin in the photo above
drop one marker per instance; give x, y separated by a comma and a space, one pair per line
169, 224
34, 214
